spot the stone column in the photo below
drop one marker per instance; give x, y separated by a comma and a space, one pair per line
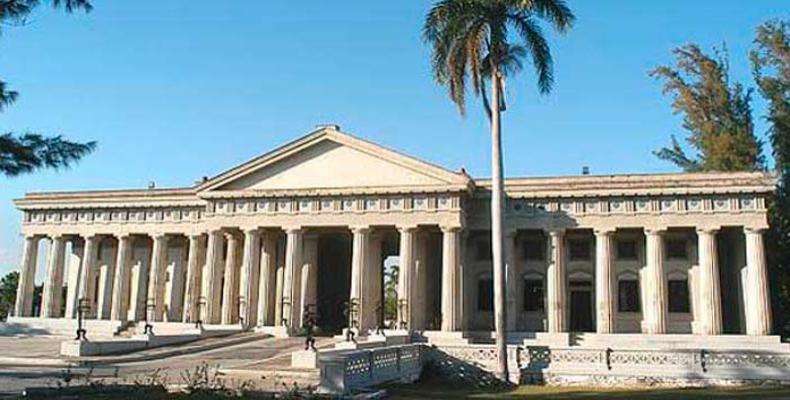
709, 282
451, 298
27, 278
656, 286
87, 273
511, 278
268, 281
120, 294
138, 290
359, 268
555, 279
210, 293
309, 283
250, 268
758, 313
155, 303
230, 290
194, 276
73, 266
106, 271
293, 272
405, 275
176, 286
604, 281
53, 283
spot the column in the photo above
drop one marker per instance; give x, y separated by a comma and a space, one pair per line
709, 283
120, 294
106, 271
268, 281
155, 303
27, 278
53, 283
250, 268
405, 275
210, 293
451, 298
195, 256
555, 282
604, 281
292, 277
87, 273
138, 290
230, 290
309, 283
372, 289
655, 310
758, 314
359, 268
511, 278
176, 285
73, 267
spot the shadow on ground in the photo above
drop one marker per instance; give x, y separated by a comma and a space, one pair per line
443, 390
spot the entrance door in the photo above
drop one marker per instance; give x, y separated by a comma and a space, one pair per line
581, 307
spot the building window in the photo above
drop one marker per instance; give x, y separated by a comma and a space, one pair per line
533, 295
580, 249
676, 248
679, 296
483, 250
485, 295
628, 296
534, 250
626, 250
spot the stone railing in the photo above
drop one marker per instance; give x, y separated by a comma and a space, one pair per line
343, 372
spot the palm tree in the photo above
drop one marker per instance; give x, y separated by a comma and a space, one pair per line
485, 41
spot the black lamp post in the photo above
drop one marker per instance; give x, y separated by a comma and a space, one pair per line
201, 307
309, 318
83, 306
351, 310
403, 306
148, 329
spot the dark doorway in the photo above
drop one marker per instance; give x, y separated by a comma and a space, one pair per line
334, 281
581, 307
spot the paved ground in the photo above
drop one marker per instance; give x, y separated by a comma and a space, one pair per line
30, 346
15, 379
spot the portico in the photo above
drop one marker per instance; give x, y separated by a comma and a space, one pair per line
307, 227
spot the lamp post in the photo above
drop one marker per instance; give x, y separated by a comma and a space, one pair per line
82, 308
403, 307
200, 308
148, 329
309, 317
351, 310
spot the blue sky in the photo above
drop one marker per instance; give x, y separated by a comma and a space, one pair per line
175, 90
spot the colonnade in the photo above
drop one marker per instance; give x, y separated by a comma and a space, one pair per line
236, 276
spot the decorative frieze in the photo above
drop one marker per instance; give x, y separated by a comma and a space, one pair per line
108, 216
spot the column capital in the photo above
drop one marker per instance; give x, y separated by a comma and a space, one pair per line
158, 235
604, 230
654, 230
58, 236
556, 232
407, 228
709, 230
250, 229
450, 228
292, 229
360, 229
195, 235
123, 235
755, 230
231, 236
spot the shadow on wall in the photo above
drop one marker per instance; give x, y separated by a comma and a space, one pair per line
441, 366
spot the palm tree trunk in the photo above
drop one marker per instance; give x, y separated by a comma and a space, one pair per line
497, 200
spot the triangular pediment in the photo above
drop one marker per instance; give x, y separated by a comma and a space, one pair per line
331, 160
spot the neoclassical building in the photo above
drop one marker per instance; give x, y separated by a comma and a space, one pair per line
309, 225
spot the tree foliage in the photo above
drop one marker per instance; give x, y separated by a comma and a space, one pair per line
8, 293
24, 153
717, 115
473, 38
771, 65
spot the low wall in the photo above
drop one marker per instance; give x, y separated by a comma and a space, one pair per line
17, 326
616, 367
345, 372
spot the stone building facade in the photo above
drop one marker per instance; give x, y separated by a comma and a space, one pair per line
309, 225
